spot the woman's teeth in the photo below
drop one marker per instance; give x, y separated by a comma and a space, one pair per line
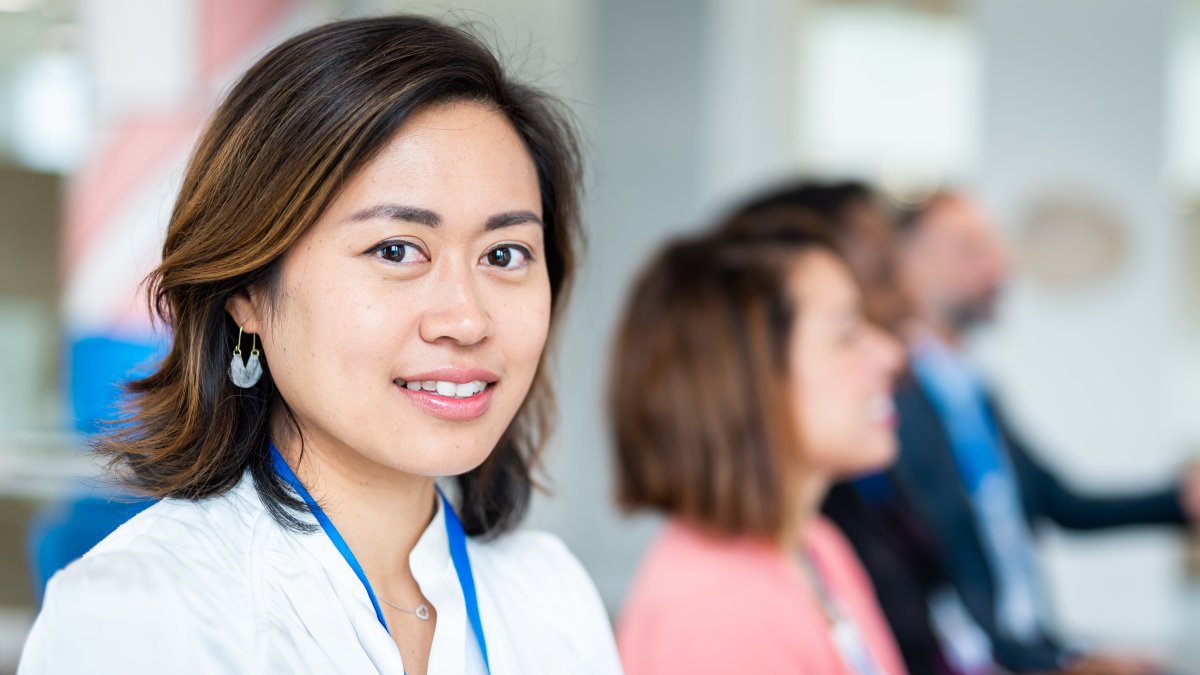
447, 389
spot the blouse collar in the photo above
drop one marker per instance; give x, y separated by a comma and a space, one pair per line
432, 567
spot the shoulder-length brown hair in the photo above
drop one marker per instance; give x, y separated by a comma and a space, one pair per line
698, 393
281, 145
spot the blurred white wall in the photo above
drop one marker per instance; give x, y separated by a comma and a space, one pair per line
1075, 102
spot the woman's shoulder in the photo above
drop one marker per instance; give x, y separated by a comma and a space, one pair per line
687, 565
692, 583
214, 531
689, 576
531, 584
170, 584
120, 611
532, 558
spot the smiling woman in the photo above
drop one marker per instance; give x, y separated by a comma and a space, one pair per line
388, 223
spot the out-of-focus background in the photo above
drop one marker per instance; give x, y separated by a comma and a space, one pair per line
1077, 121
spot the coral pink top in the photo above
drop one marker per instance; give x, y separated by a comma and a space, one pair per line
705, 605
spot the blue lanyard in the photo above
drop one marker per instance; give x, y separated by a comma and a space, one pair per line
454, 532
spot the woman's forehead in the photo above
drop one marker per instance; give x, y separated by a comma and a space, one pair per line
821, 282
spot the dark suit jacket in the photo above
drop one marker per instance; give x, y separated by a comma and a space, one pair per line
927, 478
903, 567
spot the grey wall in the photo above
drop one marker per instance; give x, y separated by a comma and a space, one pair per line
646, 174
1075, 101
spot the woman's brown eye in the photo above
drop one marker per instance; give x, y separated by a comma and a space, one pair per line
398, 252
500, 257
509, 257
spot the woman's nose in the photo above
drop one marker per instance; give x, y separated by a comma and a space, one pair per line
889, 351
454, 309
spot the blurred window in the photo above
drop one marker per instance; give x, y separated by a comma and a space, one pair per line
889, 92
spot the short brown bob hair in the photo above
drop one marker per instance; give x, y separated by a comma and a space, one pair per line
698, 397
286, 139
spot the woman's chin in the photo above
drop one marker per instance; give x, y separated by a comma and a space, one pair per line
885, 452
876, 455
435, 462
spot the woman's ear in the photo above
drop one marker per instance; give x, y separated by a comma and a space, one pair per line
242, 307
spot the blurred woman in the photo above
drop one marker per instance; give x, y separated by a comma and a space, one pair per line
746, 380
896, 550
372, 244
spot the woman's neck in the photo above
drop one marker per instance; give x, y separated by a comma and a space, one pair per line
810, 490
379, 511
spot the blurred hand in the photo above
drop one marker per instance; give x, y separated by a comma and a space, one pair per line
1189, 492
1111, 664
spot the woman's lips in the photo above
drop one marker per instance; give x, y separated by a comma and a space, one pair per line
882, 412
450, 408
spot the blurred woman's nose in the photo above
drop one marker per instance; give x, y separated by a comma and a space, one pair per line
454, 310
889, 352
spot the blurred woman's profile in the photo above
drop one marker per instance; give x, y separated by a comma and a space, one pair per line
745, 381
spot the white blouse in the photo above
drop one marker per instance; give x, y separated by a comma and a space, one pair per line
217, 586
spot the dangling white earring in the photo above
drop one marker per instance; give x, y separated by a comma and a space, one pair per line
245, 375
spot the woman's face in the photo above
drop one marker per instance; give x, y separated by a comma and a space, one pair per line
841, 372
410, 320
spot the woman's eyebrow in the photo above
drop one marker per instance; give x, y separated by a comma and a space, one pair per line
511, 218
413, 214
409, 214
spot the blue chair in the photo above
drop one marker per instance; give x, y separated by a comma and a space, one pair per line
64, 531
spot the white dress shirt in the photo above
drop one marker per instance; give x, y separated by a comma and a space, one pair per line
217, 586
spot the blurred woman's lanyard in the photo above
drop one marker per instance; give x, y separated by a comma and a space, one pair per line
846, 636
454, 532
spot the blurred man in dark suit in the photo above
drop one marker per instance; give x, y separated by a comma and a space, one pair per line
946, 535
966, 473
